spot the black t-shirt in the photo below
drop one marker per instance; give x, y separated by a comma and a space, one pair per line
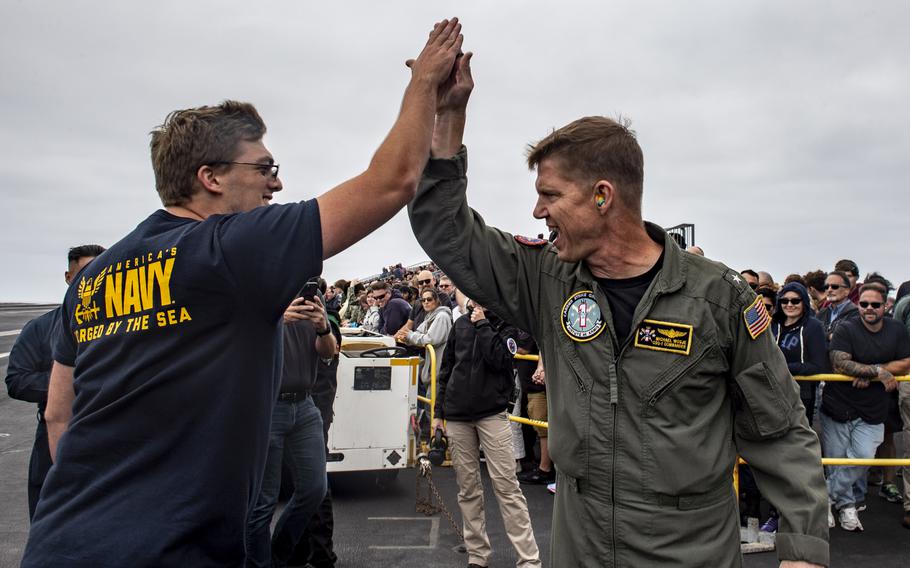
624, 294
174, 336
299, 371
841, 400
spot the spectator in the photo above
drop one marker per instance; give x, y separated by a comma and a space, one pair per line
533, 384
354, 308
433, 330
751, 277
902, 316
315, 548
448, 288
839, 308
849, 268
29, 369
765, 279
815, 284
795, 278
371, 316
475, 383
769, 298
393, 310
872, 349
802, 340
297, 426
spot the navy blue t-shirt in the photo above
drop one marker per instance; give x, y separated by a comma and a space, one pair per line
174, 335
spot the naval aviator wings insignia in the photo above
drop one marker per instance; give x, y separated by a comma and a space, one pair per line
664, 336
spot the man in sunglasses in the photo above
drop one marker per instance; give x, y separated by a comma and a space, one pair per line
839, 308
873, 350
851, 269
169, 364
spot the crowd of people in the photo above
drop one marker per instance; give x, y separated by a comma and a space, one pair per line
836, 323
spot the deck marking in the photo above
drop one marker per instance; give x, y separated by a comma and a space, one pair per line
434, 533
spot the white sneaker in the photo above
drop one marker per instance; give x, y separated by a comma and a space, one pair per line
849, 520
830, 517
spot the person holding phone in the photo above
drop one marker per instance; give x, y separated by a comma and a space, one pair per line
297, 428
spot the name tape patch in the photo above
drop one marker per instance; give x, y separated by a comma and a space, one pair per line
581, 317
756, 318
664, 336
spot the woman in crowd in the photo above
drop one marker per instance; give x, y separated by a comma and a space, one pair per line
473, 391
801, 338
433, 330
371, 316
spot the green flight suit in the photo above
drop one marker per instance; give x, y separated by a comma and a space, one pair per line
644, 439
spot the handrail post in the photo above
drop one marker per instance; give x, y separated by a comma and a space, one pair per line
432, 397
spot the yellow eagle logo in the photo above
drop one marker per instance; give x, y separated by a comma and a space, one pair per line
671, 333
86, 310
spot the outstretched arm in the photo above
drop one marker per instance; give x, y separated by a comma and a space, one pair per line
358, 206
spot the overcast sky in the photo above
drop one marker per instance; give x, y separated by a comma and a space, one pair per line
780, 128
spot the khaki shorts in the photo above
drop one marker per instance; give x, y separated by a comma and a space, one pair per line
537, 410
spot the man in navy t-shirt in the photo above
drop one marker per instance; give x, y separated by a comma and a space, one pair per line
168, 361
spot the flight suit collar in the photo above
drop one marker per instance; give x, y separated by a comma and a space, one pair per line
672, 275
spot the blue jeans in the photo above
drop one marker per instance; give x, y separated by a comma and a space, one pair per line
853, 439
297, 426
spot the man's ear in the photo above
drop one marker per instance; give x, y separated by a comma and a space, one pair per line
604, 194
209, 179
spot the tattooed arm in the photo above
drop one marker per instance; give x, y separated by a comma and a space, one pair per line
843, 363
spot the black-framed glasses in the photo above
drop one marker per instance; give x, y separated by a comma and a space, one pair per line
424, 282
769, 307
427, 300
267, 170
834, 286
380, 298
873, 305
794, 301
753, 285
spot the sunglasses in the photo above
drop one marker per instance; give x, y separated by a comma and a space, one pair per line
794, 301
769, 307
834, 286
424, 282
427, 300
375, 297
753, 285
873, 305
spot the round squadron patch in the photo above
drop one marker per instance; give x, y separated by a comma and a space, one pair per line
512, 345
581, 318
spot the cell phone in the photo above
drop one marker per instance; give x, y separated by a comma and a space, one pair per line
309, 290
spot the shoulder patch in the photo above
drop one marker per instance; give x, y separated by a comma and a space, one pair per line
581, 317
512, 345
756, 318
530, 242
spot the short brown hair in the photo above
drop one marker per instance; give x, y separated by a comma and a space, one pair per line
194, 137
875, 287
594, 148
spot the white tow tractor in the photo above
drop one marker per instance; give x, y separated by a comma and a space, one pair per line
374, 405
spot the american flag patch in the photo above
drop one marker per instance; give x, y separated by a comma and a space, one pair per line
757, 318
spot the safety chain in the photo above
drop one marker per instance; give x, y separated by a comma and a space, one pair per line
426, 505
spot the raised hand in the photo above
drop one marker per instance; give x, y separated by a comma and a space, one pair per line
435, 62
455, 92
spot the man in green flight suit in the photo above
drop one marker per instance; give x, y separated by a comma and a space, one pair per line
659, 367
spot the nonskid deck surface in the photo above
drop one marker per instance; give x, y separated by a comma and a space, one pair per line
376, 523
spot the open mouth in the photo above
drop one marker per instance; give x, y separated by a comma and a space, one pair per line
554, 235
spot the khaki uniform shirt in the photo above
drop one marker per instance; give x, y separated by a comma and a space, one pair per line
644, 435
